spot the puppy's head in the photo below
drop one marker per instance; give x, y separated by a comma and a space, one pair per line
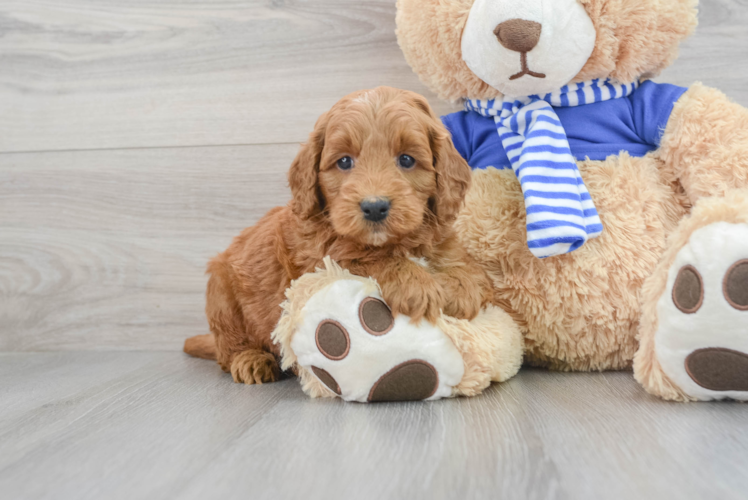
379, 167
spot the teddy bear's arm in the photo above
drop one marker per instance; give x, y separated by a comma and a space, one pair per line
705, 144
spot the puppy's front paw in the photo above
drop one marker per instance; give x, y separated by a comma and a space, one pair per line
254, 367
464, 297
419, 299
462, 308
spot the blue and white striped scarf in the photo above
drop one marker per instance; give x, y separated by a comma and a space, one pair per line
561, 216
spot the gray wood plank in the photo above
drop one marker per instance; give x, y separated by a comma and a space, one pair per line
79, 74
83, 74
161, 425
717, 54
107, 249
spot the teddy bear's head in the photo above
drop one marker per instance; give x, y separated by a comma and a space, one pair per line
483, 49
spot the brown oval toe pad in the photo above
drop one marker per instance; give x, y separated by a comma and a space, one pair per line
719, 369
688, 290
327, 379
375, 316
333, 340
735, 285
410, 381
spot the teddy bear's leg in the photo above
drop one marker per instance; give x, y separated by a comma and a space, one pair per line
491, 345
694, 326
342, 339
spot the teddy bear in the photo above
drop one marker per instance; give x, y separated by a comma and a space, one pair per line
610, 211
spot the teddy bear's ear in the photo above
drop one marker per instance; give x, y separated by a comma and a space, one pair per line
429, 33
636, 38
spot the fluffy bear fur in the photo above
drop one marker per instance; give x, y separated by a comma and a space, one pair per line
705, 146
581, 310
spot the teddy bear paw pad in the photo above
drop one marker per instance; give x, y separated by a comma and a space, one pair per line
350, 341
702, 336
412, 380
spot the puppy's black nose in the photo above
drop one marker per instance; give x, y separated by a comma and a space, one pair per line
375, 209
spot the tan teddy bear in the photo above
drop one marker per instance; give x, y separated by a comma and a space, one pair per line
611, 212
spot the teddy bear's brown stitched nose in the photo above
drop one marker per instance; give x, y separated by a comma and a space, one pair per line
518, 35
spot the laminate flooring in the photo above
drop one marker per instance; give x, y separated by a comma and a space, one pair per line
155, 425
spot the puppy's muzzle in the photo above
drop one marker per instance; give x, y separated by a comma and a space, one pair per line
375, 209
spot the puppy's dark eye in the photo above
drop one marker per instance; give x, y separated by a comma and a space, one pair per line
405, 161
345, 163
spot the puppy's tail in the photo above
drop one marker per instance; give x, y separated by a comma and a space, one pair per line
201, 346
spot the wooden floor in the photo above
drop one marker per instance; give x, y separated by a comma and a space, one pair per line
136, 139
160, 425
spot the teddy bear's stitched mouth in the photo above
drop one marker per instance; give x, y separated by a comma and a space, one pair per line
526, 69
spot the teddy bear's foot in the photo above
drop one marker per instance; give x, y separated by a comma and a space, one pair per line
699, 343
351, 343
343, 340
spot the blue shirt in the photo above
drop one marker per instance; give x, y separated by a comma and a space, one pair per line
633, 124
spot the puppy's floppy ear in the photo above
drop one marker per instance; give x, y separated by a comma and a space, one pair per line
303, 177
453, 174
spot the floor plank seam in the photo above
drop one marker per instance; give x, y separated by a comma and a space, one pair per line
145, 148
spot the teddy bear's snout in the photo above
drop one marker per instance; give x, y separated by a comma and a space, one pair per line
518, 35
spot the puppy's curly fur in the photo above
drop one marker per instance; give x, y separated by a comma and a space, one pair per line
374, 128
